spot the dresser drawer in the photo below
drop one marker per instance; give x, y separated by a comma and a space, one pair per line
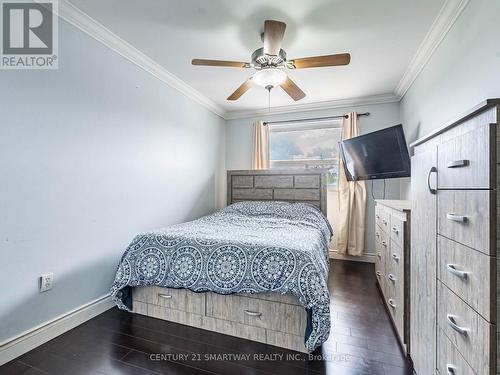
397, 311
380, 277
177, 299
380, 270
394, 276
464, 162
379, 234
396, 260
274, 297
467, 330
394, 301
464, 216
256, 312
379, 253
468, 273
382, 218
379, 259
397, 231
383, 241
449, 360
381, 248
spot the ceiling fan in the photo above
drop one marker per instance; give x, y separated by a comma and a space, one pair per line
271, 61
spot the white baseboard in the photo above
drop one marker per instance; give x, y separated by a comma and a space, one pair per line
367, 257
28, 340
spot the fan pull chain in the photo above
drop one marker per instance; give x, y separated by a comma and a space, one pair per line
269, 88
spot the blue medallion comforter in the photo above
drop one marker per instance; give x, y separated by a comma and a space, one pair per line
250, 247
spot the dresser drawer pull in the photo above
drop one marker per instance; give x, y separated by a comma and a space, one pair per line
458, 218
379, 254
391, 303
458, 164
253, 313
450, 369
453, 270
431, 190
452, 323
377, 216
395, 257
164, 296
377, 234
378, 273
384, 221
395, 230
384, 243
392, 277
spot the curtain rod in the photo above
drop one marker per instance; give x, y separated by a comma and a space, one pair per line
312, 119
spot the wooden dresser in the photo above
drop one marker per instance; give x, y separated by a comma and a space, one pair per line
453, 322
392, 260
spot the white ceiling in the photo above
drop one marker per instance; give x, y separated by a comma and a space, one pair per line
382, 37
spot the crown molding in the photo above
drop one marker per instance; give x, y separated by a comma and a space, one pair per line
88, 25
318, 106
447, 16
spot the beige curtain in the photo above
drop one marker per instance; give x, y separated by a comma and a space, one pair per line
352, 202
260, 150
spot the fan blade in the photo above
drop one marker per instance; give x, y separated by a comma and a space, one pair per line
273, 36
241, 90
319, 61
292, 89
232, 64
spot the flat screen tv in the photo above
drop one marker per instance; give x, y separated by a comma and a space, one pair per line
377, 155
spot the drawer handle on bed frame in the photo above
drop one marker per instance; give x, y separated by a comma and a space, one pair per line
395, 257
384, 221
458, 163
395, 230
253, 313
379, 273
453, 324
458, 218
379, 254
384, 243
391, 303
164, 296
450, 369
392, 277
452, 268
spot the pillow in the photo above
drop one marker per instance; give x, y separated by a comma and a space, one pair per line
273, 208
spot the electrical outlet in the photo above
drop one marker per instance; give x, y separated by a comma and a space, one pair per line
46, 282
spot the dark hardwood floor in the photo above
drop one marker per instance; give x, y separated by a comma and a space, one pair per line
361, 341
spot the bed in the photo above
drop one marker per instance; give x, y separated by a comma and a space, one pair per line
256, 269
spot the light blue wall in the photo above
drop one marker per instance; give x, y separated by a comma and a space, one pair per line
90, 155
239, 148
463, 71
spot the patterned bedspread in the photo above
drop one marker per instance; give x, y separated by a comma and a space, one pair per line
247, 247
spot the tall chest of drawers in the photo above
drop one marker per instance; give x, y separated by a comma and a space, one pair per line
453, 288
392, 268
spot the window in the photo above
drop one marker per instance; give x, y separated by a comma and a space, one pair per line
307, 145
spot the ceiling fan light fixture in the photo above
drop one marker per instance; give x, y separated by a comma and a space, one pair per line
269, 77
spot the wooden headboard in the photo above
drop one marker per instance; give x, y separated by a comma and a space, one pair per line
292, 185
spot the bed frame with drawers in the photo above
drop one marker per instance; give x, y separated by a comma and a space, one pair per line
270, 318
